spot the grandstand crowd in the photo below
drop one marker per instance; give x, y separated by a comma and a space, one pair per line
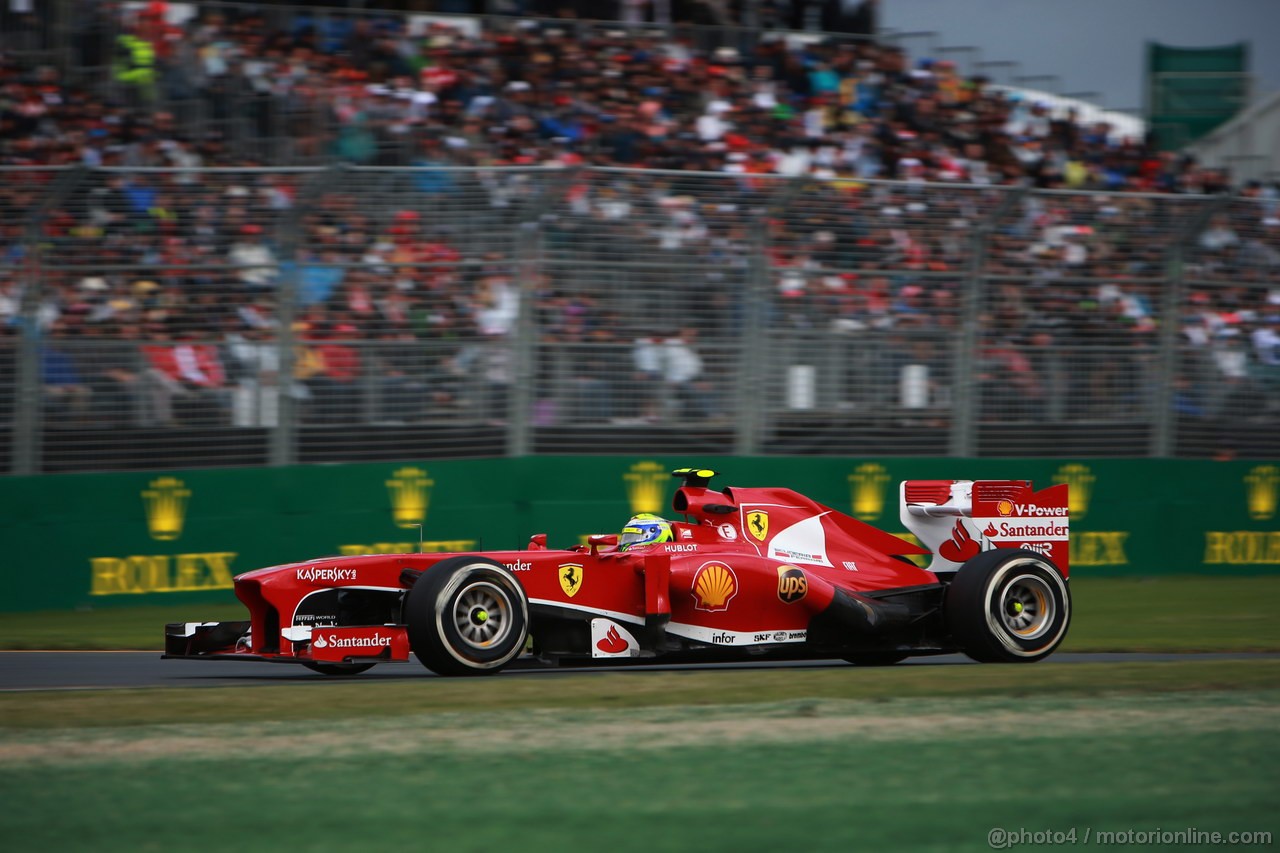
229, 89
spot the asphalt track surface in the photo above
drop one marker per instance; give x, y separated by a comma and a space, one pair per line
36, 670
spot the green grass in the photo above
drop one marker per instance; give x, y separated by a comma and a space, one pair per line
899, 774
1175, 613
1172, 613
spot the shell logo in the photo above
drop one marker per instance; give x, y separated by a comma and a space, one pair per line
714, 586
1005, 508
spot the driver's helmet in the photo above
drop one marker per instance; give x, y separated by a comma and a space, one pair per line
645, 529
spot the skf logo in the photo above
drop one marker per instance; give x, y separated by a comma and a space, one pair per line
758, 524
410, 492
792, 584
646, 486
1079, 480
571, 578
714, 586
866, 485
166, 506
1005, 508
1262, 485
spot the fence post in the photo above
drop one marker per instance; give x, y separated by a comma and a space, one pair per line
749, 404
284, 437
1164, 432
964, 411
28, 401
524, 346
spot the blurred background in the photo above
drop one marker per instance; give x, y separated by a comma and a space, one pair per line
246, 234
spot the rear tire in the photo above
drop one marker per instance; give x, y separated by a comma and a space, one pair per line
466, 616
1008, 606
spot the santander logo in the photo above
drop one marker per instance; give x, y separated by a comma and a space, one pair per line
612, 643
961, 546
375, 641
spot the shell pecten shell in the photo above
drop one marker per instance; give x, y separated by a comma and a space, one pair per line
714, 586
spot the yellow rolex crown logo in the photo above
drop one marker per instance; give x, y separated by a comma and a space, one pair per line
1079, 480
1261, 487
866, 485
410, 491
166, 505
646, 486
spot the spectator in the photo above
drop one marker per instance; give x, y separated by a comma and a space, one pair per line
688, 394
255, 262
188, 371
333, 387
66, 394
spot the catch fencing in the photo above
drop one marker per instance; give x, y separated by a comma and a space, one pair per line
166, 318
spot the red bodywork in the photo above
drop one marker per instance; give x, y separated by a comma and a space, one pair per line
749, 568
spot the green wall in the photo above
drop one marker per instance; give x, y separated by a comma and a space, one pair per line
106, 539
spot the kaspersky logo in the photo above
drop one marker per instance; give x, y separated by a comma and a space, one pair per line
1079, 480
866, 487
166, 505
646, 487
1261, 487
410, 491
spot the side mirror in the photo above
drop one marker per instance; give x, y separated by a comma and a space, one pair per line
537, 542
597, 539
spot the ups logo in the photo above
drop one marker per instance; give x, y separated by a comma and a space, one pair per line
792, 584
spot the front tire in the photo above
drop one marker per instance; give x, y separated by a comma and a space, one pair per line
1008, 606
466, 616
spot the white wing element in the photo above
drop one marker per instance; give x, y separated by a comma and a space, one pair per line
803, 542
611, 640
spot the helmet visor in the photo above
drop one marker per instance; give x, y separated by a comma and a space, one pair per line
640, 534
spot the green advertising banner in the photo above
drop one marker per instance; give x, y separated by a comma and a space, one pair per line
98, 540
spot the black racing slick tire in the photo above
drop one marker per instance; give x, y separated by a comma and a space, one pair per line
466, 616
1008, 606
339, 669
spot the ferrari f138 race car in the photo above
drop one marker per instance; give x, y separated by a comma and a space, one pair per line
749, 573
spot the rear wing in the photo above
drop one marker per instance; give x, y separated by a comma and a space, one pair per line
959, 519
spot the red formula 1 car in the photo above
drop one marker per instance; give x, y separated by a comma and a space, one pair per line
751, 573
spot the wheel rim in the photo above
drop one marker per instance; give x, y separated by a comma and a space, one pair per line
482, 614
1027, 608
